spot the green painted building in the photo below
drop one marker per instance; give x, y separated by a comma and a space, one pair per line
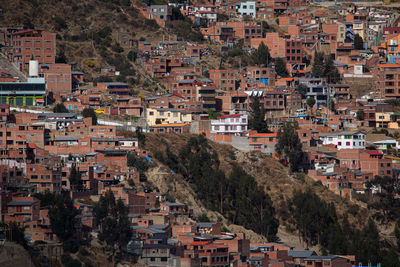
23, 93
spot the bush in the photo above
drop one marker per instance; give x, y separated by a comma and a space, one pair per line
60, 23
68, 261
317, 183
132, 56
203, 218
71, 246
117, 48
60, 108
152, 24
300, 176
169, 198
90, 64
83, 251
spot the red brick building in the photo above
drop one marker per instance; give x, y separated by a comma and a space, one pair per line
22, 209
36, 43
59, 80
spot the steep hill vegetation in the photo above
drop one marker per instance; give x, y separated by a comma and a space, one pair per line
331, 224
87, 31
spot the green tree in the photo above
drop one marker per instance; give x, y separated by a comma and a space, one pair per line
75, 178
203, 218
261, 56
62, 214
302, 89
14, 233
390, 258
289, 144
318, 65
132, 56
90, 113
140, 136
257, 117
358, 42
112, 218
212, 115
311, 102
397, 233
280, 68
331, 105
176, 14
60, 108
139, 163
330, 71
360, 115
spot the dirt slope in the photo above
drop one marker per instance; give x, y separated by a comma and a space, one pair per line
268, 172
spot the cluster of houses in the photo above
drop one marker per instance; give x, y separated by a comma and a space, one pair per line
345, 140
37, 155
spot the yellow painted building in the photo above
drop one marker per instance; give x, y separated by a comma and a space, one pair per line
360, 28
166, 116
382, 119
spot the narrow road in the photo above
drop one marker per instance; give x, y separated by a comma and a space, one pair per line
5, 64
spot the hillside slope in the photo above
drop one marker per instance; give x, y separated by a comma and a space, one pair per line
87, 31
273, 177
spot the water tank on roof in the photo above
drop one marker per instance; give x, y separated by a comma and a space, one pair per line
33, 68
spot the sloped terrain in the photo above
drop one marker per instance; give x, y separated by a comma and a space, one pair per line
272, 176
87, 31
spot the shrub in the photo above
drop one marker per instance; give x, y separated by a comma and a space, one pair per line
90, 64
83, 251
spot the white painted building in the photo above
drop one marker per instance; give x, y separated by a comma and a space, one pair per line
344, 140
231, 124
247, 8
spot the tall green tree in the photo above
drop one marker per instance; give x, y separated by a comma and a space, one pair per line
318, 65
280, 67
257, 117
358, 42
112, 218
289, 144
302, 89
330, 71
75, 177
261, 57
90, 113
62, 214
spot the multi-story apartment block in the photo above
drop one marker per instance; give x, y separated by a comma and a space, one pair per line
58, 78
281, 46
33, 43
225, 80
318, 89
22, 209
247, 8
344, 140
44, 177
387, 80
230, 124
163, 12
